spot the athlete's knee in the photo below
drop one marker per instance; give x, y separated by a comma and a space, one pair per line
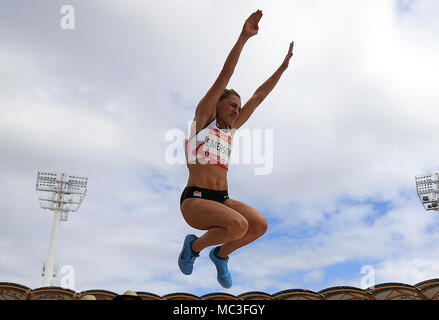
258, 227
262, 226
238, 228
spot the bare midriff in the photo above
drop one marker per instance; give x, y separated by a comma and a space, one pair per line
208, 176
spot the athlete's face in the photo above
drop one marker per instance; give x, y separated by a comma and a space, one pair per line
228, 109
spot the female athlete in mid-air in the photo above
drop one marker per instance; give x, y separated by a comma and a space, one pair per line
205, 203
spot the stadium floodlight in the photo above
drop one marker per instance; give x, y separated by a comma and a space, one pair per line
427, 188
60, 193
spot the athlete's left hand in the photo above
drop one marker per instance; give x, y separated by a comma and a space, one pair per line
288, 57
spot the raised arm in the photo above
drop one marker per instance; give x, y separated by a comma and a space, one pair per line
262, 92
206, 109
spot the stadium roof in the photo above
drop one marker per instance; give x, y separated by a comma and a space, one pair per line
425, 290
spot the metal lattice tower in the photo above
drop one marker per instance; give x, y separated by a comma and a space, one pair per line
60, 193
427, 188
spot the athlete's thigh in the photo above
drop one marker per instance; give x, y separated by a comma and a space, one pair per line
250, 213
204, 214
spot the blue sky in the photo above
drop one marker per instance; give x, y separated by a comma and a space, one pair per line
404, 6
353, 122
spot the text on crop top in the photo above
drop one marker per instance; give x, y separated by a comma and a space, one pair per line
210, 145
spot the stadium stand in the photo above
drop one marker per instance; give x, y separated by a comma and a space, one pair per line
425, 290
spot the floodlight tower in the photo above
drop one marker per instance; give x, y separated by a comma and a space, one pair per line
427, 188
60, 193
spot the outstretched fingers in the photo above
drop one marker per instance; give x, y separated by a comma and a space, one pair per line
258, 16
290, 49
286, 61
255, 17
251, 17
251, 27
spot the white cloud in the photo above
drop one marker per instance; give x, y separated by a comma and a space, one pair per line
410, 270
313, 276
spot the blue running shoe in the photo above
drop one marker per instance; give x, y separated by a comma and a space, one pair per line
223, 276
187, 255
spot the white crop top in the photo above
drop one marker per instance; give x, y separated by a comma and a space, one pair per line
210, 145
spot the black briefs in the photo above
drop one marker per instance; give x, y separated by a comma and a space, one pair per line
202, 193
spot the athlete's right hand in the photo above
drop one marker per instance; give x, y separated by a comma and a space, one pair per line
251, 24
